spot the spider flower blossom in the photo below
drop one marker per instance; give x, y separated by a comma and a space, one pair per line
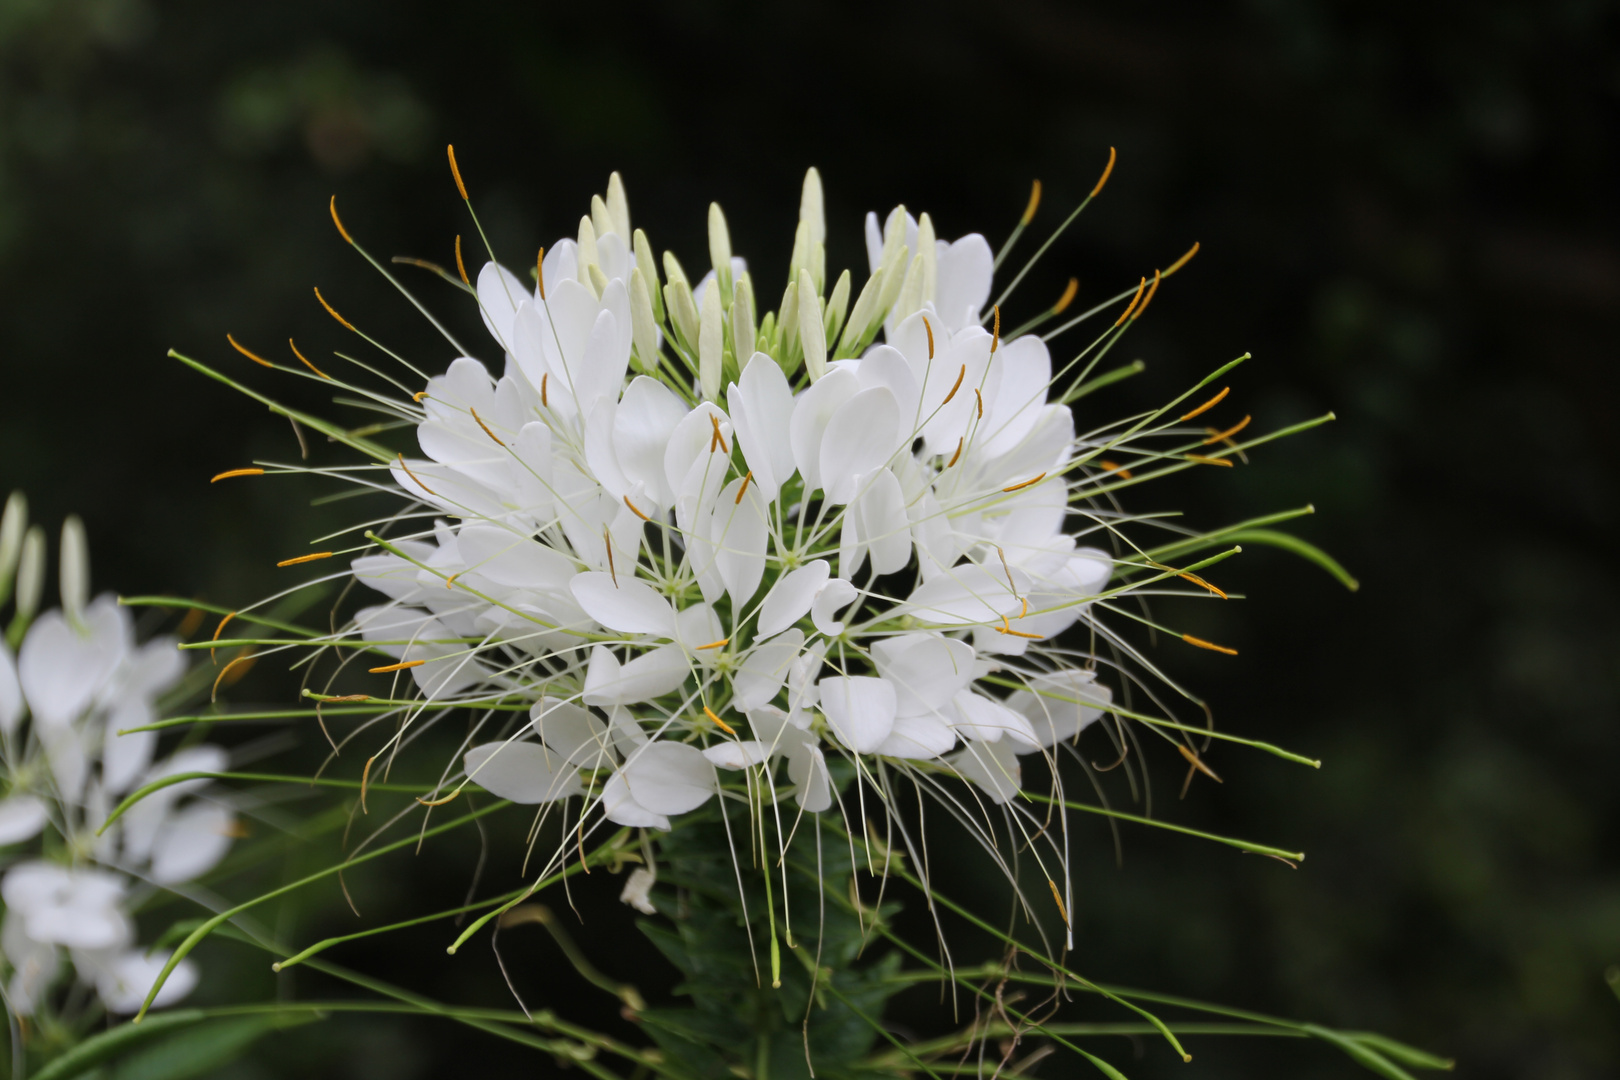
698, 541
68, 699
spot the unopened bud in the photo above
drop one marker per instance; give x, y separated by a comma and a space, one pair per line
787, 325
601, 220
743, 334
894, 239
649, 267
800, 259
75, 570
13, 524
910, 298
587, 249
599, 280
893, 278
818, 265
618, 206
928, 251
813, 207
30, 577
683, 312
720, 250
643, 325
711, 344
812, 332
837, 306
861, 316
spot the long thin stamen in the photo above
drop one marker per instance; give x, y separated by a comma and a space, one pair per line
960, 375
1210, 645
403, 665
455, 171
637, 512
461, 267
485, 426
306, 558
1025, 484
1107, 171
719, 723
330, 310
339, 223
1208, 405
1222, 436
228, 473
253, 356
307, 364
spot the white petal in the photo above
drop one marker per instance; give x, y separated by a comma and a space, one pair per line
499, 294
812, 412
807, 767
968, 594
669, 777
11, 699
621, 808
600, 452
736, 755
992, 766
884, 527
739, 532
830, 599
635, 890
988, 720
191, 843
522, 772
790, 598
926, 670
21, 818
650, 675
571, 732
860, 710
963, 287
883, 365
625, 604
761, 406
1060, 704
126, 757
509, 558
860, 437
642, 428
63, 671
921, 738
764, 669
124, 983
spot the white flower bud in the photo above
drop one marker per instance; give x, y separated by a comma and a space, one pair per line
75, 569
928, 251
720, 249
812, 332
800, 259
910, 298
13, 524
30, 575
601, 220
743, 333
837, 307
711, 344
818, 265
787, 323
618, 205
587, 250
643, 325
863, 314
683, 312
649, 267
894, 240
599, 280
813, 207
893, 278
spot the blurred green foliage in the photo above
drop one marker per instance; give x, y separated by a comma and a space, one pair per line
1406, 213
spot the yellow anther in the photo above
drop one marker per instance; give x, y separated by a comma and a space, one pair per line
960, 375
307, 364
544, 379
1112, 467
450, 582
438, 802
719, 723
633, 509
1063, 911
418, 396
477, 419
416, 478
253, 356
217, 630
1210, 645
401, 666
1034, 202
743, 490
306, 558
930, 331
1222, 436
228, 473
957, 455
1025, 484
1208, 405
332, 311
995, 331
1148, 299
1183, 261
1134, 300
540, 273
189, 624
1202, 460
461, 267
1103, 179
454, 171
719, 439
1067, 298
245, 658
980, 398
338, 222
722, 643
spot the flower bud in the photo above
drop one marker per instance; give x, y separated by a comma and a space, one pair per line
910, 299
893, 279
587, 251
601, 220
837, 307
649, 267
800, 259
818, 265
894, 240
75, 570
928, 249
683, 312
13, 524
813, 207
30, 578
720, 250
862, 316
743, 334
711, 344
787, 326
618, 206
812, 331
643, 325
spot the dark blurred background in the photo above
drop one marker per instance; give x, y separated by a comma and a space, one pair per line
1408, 215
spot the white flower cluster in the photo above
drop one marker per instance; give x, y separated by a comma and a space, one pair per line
828, 557
76, 682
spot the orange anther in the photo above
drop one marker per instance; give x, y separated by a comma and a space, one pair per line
1197, 762
1222, 436
332, 312
416, 478
1024, 484
1103, 179
633, 509
1063, 911
307, 364
960, 375
930, 331
743, 490
228, 473
418, 396
253, 356
1067, 298
438, 802
483, 425
306, 558
1148, 299
719, 439
454, 171
956, 455
1183, 261
245, 658
401, 666
1210, 645
1110, 466
461, 267
217, 630
540, 273
995, 329
980, 398
719, 723
1034, 201
338, 222
1134, 300
545, 378
723, 642
1202, 460
1208, 405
